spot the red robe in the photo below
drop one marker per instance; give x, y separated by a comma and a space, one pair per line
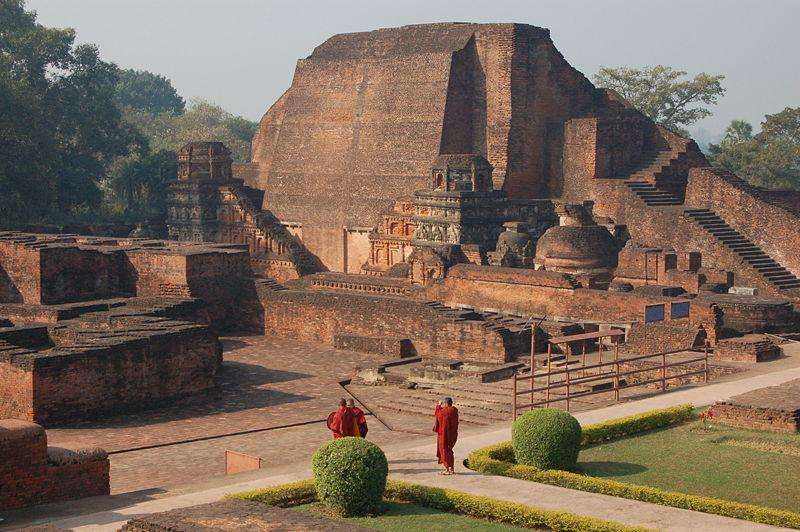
446, 429
361, 421
343, 423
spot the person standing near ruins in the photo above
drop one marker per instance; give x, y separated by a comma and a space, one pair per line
446, 429
342, 422
361, 419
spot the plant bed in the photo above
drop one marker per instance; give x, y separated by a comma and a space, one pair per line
668, 457
408, 516
417, 507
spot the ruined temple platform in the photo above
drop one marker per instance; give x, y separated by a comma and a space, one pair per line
775, 408
272, 399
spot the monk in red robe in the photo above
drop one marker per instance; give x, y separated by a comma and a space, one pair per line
343, 422
361, 419
446, 429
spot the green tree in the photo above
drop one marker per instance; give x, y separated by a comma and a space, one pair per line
203, 121
144, 91
59, 121
770, 159
138, 182
663, 94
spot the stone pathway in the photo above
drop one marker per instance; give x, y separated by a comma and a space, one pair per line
411, 461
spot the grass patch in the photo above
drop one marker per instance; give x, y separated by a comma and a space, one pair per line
407, 516
691, 456
711, 460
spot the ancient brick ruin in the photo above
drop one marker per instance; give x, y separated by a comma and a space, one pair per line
776, 408
440, 194
97, 325
33, 473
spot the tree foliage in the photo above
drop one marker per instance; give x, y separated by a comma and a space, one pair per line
203, 121
144, 91
59, 123
769, 159
664, 94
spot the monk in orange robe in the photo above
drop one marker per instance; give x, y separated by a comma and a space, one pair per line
343, 422
361, 419
446, 429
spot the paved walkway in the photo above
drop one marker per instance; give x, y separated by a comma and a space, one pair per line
411, 461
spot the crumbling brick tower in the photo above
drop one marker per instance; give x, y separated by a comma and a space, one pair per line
192, 212
367, 114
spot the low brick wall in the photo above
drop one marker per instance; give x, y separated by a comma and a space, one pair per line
750, 417
156, 362
395, 347
774, 408
749, 348
314, 316
31, 473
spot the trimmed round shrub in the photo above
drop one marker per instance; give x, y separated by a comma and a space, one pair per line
546, 438
350, 476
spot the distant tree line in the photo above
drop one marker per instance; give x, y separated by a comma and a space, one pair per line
82, 139
769, 159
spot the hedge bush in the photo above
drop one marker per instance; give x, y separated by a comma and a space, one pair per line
625, 426
350, 476
546, 438
449, 501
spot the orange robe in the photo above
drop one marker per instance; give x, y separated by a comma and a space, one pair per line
446, 429
343, 423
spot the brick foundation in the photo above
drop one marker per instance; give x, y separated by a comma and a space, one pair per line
748, 348
775, 408
315, 316
31, 473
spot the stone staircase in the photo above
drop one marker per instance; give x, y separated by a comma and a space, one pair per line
271, 284
747, 250
478, 404
652, 164
652, 195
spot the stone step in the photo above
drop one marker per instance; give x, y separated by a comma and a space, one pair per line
781, 277
498, 398
416, 406
771, 269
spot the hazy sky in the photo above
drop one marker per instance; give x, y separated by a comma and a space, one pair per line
241, 53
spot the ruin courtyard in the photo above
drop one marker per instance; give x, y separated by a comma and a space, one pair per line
433, 210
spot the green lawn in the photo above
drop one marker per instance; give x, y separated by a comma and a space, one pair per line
404, 516
755, 467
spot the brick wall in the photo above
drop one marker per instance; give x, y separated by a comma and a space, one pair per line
552, 294
76, 274
752, 417
669, 228
16, 391
131, 375
20, 279
224, 281
29, 475
319, 316
775, 229
648, 338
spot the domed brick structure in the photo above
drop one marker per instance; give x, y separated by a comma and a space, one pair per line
578, 245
